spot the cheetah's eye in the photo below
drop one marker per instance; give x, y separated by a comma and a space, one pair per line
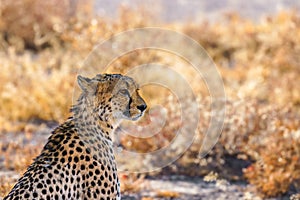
124, 92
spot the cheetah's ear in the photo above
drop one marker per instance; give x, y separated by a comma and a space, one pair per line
86, 84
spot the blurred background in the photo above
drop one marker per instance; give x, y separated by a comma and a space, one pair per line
186, 11
255, 45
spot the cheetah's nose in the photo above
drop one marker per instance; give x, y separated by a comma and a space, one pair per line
142, 107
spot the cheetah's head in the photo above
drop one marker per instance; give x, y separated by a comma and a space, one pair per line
113, 95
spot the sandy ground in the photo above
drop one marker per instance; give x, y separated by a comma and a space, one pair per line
181, 188
188, 188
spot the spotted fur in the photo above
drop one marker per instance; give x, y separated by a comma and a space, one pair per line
78, 162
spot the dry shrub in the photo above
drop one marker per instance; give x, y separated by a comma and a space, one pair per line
258, 62
277, 158
26, 24
259, 65
6, 185
269, 136
30, 80
29, 87
131, 182
258, 140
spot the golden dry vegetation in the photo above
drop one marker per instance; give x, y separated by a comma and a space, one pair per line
259, 63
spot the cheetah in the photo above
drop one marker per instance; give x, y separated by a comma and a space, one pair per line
77, 161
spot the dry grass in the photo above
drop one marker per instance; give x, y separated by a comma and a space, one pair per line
259, 64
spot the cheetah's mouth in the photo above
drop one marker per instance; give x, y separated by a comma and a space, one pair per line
128, 115
136, 117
